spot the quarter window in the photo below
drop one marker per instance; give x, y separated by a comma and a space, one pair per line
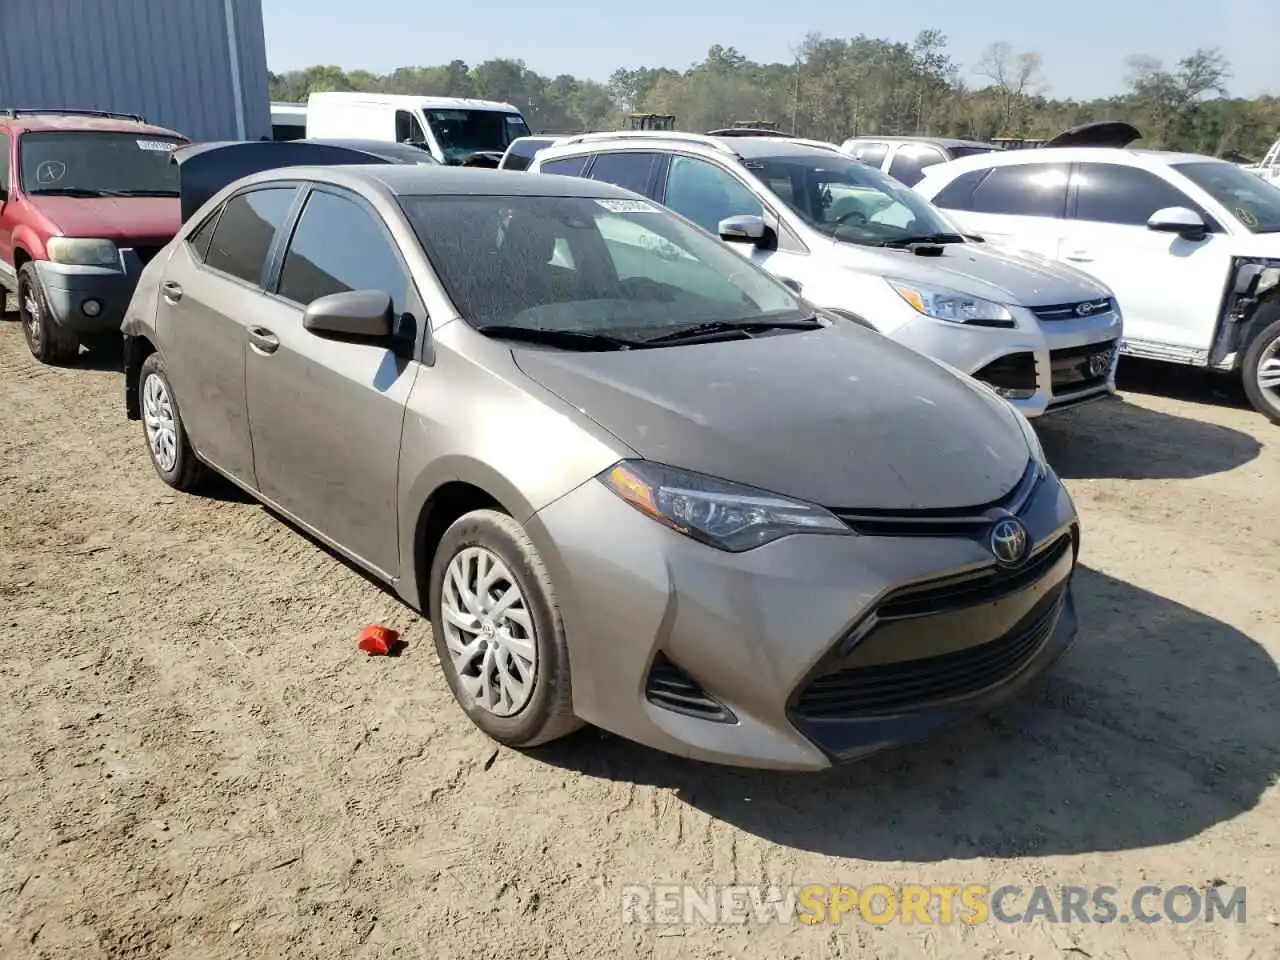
245, 231
568, 167
199, 237
707, 194
1111, 193
958, 194
339, 246
910, 160
631, 170
1024, 190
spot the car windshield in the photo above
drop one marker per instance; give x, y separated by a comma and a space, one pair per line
1251, 200
604, 267
848, 200
98, 164
461, 133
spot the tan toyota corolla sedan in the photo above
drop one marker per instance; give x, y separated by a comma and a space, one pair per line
631, 478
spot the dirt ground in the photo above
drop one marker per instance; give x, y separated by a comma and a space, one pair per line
196, 762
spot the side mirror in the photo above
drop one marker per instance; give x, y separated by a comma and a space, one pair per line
1180, 220
743, 228
359, 314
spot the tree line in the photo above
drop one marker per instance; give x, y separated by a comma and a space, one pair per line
837, 88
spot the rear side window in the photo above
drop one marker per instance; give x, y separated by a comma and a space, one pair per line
1110, 193
1023, 190
872, 154
520, 155
246, 230
568, 167
632, 170
910, 160
958, 194
339, 246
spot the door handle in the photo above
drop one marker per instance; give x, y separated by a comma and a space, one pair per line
1080, 256
172, 291
263, 340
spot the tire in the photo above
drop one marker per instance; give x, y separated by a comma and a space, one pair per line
48, 341
175, 462
545, 712
1263, 357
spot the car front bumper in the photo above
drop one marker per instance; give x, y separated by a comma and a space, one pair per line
807, 651
1039, 367
70, 290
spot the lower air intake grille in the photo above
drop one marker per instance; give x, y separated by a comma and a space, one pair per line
672, 689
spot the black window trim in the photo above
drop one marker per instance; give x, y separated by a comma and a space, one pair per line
789, 240
414, 305
286, 227
1073, 195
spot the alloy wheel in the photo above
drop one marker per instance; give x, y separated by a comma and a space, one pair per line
1269, 370
29, 307
489, 631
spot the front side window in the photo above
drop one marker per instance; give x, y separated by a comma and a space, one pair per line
246, 230
611, 266
847, 200
98, 164
461, 133
339, 246
1251, 200
911, 159
1024, 190
630, 169
1111, 193
408, 129
707, 194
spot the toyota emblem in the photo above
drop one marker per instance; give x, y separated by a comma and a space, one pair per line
1009, 541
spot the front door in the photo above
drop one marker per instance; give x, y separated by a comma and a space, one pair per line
212, 286
1169, 288
325, 414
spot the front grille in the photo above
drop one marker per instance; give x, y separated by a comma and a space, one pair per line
965, 522
1074, 311
672, 689
1079, 368
1014, 371
888, 688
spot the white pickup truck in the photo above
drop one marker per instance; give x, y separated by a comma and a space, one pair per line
1269, 167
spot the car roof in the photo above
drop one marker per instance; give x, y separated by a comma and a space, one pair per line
35, 121
407, 180
936, 141
744, 148
1127, 156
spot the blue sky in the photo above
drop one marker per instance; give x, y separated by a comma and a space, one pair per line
1084, 42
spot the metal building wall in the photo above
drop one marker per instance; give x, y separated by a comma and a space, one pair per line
168, 60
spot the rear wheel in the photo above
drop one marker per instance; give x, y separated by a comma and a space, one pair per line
498, 632
1261, 367
48, 341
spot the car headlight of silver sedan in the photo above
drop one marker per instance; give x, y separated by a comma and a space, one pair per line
82, 252
719, 513
941, 303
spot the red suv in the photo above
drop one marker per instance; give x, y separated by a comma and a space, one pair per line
86, 199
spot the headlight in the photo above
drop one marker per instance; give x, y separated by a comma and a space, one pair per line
82, 252
724, 515
942, 304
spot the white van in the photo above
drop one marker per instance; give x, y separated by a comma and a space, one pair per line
451, 129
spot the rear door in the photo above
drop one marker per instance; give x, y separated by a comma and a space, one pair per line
326, 414
1168, 287
1019, 205
210, 295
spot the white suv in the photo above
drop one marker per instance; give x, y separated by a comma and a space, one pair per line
857, 243
1189, 244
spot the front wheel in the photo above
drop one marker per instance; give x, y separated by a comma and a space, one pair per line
498, 632
48, 340
1261, 367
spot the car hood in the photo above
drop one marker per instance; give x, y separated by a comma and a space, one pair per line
840, 417
119, 219
981, 270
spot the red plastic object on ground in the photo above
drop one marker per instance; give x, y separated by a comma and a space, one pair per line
378, 641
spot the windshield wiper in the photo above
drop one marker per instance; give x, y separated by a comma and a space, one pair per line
731, 329
75, 192
144, 193
923, 238
566, 339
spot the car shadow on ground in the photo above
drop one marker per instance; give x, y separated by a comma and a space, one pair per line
1160, 723
1179, 382
1116, 439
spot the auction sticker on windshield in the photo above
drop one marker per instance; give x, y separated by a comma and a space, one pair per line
159, 146
627, 206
